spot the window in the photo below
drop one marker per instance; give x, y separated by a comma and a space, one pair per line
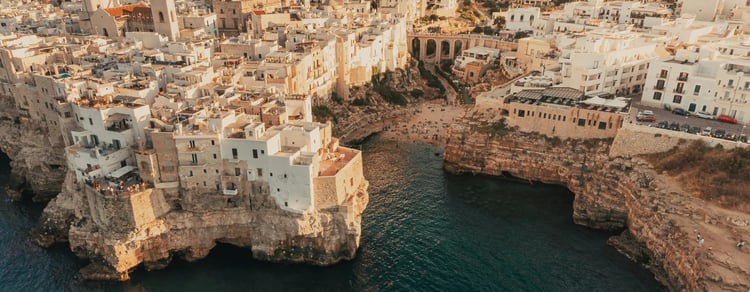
194, 158
581, 122
663, 73
683, 76
214, 155
213, 142
602, 125
731, 83
191, 144
237, 171
657, 95
521, 113
161, 17
91, 122
659, 85
234, 153
255, 153
677, 99
260, 172
190, 173
285, 175
270, 173
262, 151
697, 90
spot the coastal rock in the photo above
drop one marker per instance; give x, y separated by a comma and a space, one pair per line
117, 234
615, 192
37, 157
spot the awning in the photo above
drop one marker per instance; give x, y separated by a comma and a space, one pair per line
122, 171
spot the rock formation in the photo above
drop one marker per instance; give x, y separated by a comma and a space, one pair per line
614, 192
37, 157
119, 233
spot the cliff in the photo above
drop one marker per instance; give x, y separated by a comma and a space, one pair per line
618, 192
37, 157
118, 233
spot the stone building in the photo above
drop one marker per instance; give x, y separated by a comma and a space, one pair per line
565, 113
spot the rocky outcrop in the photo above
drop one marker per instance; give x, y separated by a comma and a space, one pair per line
615, 192
118, 233
37, 157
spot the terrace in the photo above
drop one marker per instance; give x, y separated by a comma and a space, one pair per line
335, 161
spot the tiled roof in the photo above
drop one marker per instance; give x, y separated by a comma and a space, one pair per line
118, 11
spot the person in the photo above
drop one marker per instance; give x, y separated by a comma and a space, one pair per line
740, 244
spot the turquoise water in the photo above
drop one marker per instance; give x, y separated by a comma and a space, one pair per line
423, 230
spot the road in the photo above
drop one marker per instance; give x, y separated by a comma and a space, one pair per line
693, 121
450, 94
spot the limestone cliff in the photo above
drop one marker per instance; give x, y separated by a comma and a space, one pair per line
614, 192
118, 233
37, 158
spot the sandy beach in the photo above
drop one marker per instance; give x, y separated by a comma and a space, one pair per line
428, 124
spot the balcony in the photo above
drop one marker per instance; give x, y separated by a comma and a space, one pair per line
679, 90
231, 192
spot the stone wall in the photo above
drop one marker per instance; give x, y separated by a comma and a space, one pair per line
614, 192
636, 140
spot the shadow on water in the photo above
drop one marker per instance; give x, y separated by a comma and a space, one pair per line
423, 230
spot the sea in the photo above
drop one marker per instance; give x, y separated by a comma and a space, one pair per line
423, 230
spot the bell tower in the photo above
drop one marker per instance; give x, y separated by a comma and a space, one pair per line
164, 14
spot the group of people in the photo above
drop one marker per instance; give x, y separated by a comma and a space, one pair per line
699, 239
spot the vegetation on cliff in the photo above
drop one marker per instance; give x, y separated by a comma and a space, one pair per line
711, 173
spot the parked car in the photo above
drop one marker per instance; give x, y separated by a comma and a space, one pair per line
647, 113
674, 126
742, 139
684, 127
679, 111
726, 119
707, 131
730, 137
663, 125
694, 130
645, 118
718, 133
704, 115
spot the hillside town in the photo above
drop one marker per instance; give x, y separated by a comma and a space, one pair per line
180, 106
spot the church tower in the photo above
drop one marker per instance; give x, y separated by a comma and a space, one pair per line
164, 14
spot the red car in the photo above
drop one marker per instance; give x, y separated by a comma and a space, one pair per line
726, 119
646, 118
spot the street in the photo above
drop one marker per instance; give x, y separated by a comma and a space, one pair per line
665, 115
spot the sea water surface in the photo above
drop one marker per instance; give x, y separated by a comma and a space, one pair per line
423, 230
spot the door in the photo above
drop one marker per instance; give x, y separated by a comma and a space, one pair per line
691, 108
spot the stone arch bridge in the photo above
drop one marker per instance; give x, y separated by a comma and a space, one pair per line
436, 47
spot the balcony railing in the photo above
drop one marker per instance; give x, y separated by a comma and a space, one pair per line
679, 90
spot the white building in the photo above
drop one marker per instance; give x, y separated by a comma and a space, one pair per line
714, 78
611, 60
521, 19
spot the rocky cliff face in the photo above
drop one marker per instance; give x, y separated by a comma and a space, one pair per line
615, 193
37, 158
132, 232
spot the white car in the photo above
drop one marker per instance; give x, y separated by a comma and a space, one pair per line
707, 131
705, 115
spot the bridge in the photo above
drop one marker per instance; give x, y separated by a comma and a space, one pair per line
435, 47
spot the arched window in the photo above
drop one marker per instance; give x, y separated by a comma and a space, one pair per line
161, 17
